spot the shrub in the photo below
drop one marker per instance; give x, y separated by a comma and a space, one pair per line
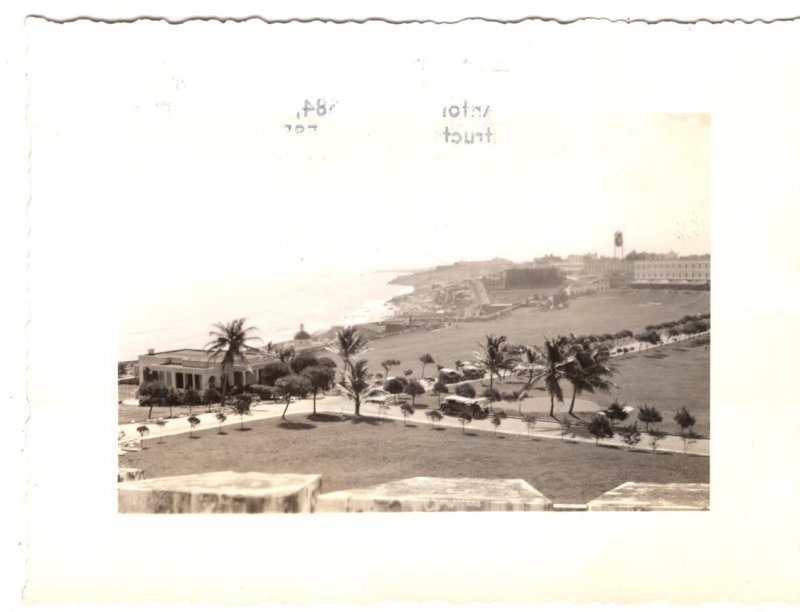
649, 415
497, 419
600, 427
211, 396
566, 427
509, 396
439, 387
263, 392
630, 435
493, 395
465, 389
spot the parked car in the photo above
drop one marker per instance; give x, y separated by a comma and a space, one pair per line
448, 376
473, 372
453, 404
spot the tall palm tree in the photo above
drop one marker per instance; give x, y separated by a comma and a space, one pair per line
231, 340
494, 357
356, 386
556, 356
532, 362
349, 342
589, 370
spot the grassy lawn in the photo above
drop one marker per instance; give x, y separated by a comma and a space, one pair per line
352, 454
604, 313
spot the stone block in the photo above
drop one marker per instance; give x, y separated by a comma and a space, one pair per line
423, 494
646, 496
223, 492
128, 474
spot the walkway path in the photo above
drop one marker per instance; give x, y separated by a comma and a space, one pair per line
336, 405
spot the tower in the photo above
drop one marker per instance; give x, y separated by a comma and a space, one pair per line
619, 249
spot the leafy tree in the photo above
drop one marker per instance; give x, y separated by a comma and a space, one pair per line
231, 341
685, 420
407, 411
656, 437
414, 388
649, 415
242, 407
293, 385
630, 435
191, 398
616, 412
426, 359
589, 369
193, 422
465, 416
150, 393
221, 418
356, 386
394, 386
326, 362
303, 360
211, 396
556, 360
439, 387
320, 379
459, 364
388, 364
263, 392
434, 415
521, 396
272, 371
600, 427
465, 390
143, 431
530, 422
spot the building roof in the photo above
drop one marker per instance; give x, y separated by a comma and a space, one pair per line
302, 334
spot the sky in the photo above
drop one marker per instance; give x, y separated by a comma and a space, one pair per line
186, 160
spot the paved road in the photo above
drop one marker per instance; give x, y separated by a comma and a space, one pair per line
336, 405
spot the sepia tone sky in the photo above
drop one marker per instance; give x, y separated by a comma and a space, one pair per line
187, 157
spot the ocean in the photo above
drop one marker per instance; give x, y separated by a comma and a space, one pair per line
276, 305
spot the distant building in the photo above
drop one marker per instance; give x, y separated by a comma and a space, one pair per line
196, 369
302, 339
607, 266
687, 270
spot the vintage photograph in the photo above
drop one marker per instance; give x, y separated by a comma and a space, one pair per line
410, 297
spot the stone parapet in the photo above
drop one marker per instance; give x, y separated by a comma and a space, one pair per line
221, 492
423, 494
651, 496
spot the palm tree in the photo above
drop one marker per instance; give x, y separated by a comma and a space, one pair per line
532, 360
356, 387
230, 340
348, 343
494, 357
589, 369
556, 359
